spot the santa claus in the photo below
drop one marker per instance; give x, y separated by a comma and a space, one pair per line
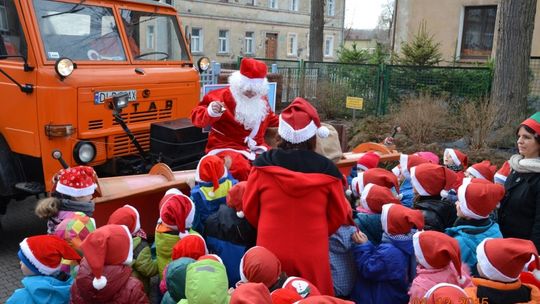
238, 117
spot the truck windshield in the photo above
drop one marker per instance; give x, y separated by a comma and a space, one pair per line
154, 36
78, 31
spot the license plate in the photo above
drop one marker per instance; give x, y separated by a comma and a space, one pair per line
99, 97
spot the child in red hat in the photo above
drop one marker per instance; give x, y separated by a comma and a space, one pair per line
500, 262
477, 198
105, 273
229, 234
143, 267
176, 214
367, 161
72, 191
438, 261
446, 293
43, 280
402, 172
212, 183
259, 265
385, 271
482, 170
251, 293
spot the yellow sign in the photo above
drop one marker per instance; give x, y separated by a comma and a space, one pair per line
356, 103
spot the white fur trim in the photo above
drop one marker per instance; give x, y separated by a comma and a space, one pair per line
396, 171
489, 271
240, 214
500, 178
288, 280
129, 258
462, 201
138, 218
418, 251
173, 191
360, 183
416, 184
100, 283
453, 155
44, 269
248, 154
288, 133
242, 275
361, 167
323, 132
75, 192
250, 81
475, 173
191, 215
403, 160
536, 274
384, 216
432, 289
211, 112
364, 195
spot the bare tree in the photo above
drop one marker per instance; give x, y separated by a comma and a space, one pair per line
514, 38
316, 30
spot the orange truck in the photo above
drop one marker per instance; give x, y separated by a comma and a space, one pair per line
83, 82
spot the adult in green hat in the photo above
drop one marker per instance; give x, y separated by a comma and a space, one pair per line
519, 213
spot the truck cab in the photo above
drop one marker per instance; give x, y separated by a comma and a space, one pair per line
61, 64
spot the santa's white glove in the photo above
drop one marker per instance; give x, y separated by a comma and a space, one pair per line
216, 109
252, 144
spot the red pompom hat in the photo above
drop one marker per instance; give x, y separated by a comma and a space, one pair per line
367, 161
251, 293
377, 176
191, 246
176, 211
299, 122
76, 181
453, 293
398, 219
253, 70
107, 245
128, 216
374, 197
430, 179
43, 253
502, 173
302, 286
210, 169
477, 198
260, 265
285, 296
406, 162
458, 157
504, 259
483, 170
435, 250
234, 198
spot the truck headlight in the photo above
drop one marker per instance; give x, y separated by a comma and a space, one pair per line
64, 67
84, 152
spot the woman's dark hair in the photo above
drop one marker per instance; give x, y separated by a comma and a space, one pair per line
528, 129
308, 145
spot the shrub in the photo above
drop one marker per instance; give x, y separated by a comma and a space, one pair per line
477, 119
422, 50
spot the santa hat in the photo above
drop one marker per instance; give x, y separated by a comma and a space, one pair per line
234, 198
483, 170
251, 293
299, 122
108, 245
127, 215
253, 70
504, 259
260, 265
398, 219
502, 174
406, 162
435, 250
396, 170
374, 197
77, 181
367, 161
177, 211
43, 253
477, 198
377, 176
212, 257
75, 229
458, 157
302, 286
285, 296
210, 168
190, 246
431, 179
453, 293
533, 122
429, 156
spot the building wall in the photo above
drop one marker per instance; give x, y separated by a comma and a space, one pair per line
368, 45
444, 20
239, 17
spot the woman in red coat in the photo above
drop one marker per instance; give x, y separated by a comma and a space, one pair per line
295, 198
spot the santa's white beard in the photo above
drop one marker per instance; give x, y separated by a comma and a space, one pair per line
249, 111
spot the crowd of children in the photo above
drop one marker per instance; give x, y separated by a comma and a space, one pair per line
423, 232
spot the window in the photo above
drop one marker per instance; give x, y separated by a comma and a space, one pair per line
12, 41
249, 43
196, 40
330, 7
3, 18
292, 44
223, 41
273, 4
329, 46
150, 37
478, 31
294, 5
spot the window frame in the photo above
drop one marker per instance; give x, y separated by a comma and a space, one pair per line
330, 54
3, 18
200, 38
251, 41
292, 46
226, 41
465, 27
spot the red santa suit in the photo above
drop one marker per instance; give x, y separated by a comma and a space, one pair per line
295, 199
227, 135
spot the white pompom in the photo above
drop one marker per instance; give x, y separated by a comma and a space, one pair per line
323, 132
99, 283
173, 191
444, 193
461, 280
348, 192
211, 194
240, 214
536, 274
400, 196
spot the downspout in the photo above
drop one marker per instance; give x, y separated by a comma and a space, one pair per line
343, 23
394, 24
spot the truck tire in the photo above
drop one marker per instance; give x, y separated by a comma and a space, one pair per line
10, 172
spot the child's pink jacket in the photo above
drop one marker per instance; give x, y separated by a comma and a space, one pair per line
427, 278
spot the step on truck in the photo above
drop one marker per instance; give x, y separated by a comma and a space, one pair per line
82, 82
